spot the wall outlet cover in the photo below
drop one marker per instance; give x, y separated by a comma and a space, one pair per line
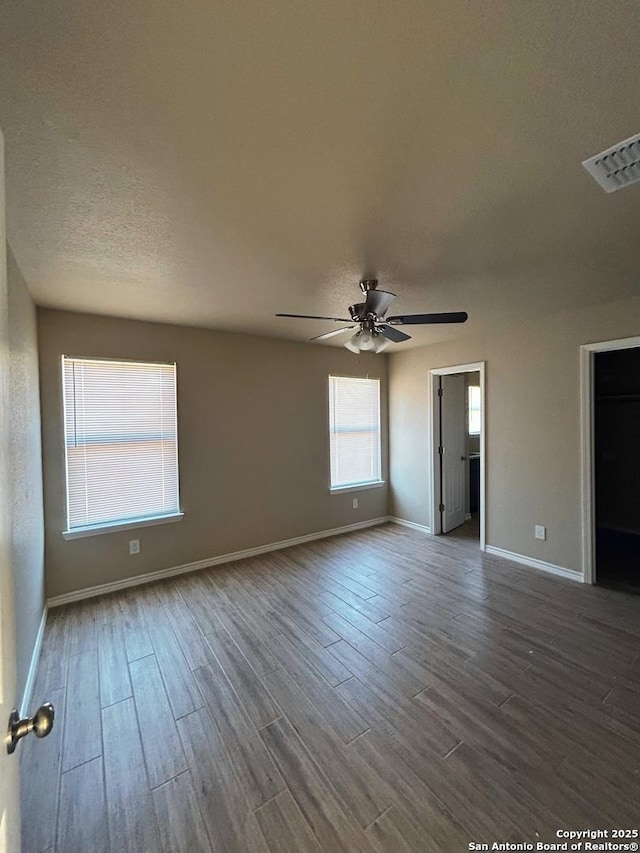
355, 503
134, 546
540, 531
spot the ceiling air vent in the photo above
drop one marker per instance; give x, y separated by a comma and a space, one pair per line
616, 167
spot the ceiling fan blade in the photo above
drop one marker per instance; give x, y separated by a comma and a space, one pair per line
378, 301
313, 317
392, 334
423, 319
334, 332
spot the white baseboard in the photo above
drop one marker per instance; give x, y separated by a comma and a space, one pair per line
535, 564
411, 524
103, 589
25, 705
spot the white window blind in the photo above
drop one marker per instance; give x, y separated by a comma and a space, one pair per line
354, 426
121, 441
474, 410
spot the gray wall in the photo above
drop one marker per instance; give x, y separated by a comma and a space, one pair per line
532, 426
25, 468
253, 444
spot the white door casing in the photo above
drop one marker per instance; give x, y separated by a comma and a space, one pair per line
453, 434
587, 354
9, 768
433, 439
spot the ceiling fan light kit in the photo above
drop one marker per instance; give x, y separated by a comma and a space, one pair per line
364, 341
375, 330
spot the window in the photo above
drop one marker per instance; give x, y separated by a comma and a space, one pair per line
354, 428
474, 410
121, 443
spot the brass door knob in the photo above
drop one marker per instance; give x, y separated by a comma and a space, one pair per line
40, 724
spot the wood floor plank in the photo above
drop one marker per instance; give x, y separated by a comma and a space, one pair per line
253, 604
383, 635
472, 806
394, 831
284, 827
334, 830
363, 794
182, 828
40, 768
190, 637
568, 731
132, 821
477, 768
367, 659
375, 703
250, 644
115, 684
342, 719
313, 652
255, 698
257, 773
439, 828
625, 700
610, 795
198, 597
225, 809
298, 611
338, 600
82, 725
54, 656
136, 639
182, 690
83, 815
160, 742
488, 728
81, 628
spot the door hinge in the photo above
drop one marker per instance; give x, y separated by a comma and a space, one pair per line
440, 392
441, 508
441, 450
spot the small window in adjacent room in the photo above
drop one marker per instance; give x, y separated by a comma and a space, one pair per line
474, 410
354, 428
121, 443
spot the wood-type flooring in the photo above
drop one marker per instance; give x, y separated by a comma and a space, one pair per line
379, 692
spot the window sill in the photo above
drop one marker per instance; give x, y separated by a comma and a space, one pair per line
98, 529
358, 487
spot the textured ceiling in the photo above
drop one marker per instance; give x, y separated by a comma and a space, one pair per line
213, 163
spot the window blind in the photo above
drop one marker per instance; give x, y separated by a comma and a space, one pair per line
474, 410
121, 441
354, 427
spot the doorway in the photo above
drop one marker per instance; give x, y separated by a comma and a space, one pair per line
615, 466
611, 463
457, 451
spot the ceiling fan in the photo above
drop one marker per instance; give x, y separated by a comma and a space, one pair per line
374, 330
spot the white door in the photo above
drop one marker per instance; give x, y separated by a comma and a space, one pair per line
9, 778
453, 434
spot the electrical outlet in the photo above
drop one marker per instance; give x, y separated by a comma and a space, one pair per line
355, 503
540, 531
134, 546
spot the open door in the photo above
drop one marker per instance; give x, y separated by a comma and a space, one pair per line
9, 771
453, 450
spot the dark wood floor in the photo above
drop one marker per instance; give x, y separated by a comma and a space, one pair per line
380, 691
